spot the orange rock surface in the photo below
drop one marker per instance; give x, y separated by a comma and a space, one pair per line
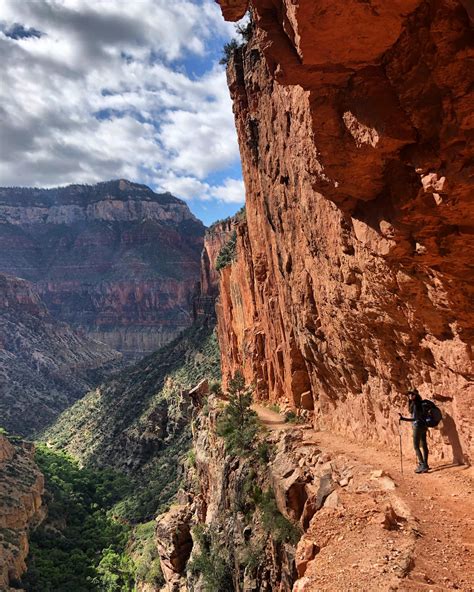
21, 488
353, 279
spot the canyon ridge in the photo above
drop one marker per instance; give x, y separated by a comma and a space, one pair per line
113, 260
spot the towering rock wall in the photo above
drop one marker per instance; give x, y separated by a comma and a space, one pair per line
215, 239
353, 279
115, 260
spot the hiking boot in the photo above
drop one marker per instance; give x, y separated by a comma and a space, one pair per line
420, 469
425, 467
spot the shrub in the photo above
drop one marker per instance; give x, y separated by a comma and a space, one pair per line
192, 458
228, 51
145, 555
215, 388
227, 254
238, 424
211, 562
283, 531
116, 572
253, 556
292, 417
264, 452
245, 31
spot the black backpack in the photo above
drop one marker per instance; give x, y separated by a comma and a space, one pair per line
431, 413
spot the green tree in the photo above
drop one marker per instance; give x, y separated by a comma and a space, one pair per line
238, 424
228, 51
66, 549
211, 561
115, 572
227, 253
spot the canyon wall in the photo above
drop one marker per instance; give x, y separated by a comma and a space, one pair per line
114, 260
21, 488
44, 365
207, 290
353, 279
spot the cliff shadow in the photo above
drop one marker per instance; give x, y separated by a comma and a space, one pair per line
449, 431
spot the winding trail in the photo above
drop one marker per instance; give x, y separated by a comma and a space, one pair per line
442, 501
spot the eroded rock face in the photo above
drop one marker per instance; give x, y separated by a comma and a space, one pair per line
332, 505
208, 289
216, 500
353, 278
174, 543
44, 365
115, 260
21, 488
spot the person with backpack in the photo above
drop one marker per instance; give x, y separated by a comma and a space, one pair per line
420, 429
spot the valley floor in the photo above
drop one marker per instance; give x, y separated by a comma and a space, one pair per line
441, 504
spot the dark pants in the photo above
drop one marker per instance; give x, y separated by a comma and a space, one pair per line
419, 439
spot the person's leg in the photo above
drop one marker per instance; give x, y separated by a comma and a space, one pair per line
416, 445
424, 446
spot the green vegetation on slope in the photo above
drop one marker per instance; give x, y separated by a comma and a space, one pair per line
79, 547
138, 422
238, 424
133, 433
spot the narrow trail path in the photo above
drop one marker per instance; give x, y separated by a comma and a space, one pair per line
442, 501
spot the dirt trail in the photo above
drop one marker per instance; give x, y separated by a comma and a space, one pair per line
442, 501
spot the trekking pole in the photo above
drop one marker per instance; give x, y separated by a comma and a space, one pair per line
401, 454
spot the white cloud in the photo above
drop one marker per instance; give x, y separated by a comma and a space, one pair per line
103, 93
232, 191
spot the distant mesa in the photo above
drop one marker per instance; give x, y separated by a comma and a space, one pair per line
115, 260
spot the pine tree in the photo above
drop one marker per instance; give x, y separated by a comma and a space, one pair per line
238, 424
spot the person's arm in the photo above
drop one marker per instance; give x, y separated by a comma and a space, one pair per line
405, 418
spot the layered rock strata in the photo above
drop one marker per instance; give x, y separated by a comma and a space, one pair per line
353, 279
44, 365
115, 260
21, 488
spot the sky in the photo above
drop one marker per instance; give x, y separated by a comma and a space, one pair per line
92, 90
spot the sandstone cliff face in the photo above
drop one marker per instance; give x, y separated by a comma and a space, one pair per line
115, 260
353, 278
21, 488
44, 365
207, 291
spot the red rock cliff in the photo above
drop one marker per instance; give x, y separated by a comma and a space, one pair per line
215, 239
353, 278
21, 488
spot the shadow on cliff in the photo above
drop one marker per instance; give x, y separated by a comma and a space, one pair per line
449, 431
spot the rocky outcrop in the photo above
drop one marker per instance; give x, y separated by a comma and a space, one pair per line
289, 517
21, 488
353, 276
115, 260
44, 365
207, 290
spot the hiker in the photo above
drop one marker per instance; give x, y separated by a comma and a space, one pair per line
420, 429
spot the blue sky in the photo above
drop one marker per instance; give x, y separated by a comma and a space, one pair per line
118, 89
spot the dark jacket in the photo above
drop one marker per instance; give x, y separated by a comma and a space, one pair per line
417, 415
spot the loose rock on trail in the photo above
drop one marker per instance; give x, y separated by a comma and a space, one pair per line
432, 549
